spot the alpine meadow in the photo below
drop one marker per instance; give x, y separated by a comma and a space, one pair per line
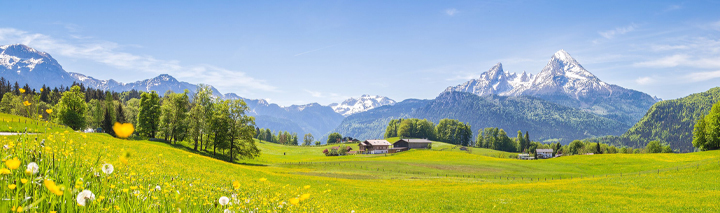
365, 106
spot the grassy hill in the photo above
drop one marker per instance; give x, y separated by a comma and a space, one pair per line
158, 177
669, 121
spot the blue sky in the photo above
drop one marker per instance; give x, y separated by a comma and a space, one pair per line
297, 52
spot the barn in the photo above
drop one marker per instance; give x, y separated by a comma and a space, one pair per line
412, 143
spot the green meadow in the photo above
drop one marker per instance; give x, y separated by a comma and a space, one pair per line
160, 177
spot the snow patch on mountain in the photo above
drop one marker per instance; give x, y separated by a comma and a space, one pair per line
362, 104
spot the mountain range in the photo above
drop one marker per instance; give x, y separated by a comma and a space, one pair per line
563, 101
564, 81
23, 64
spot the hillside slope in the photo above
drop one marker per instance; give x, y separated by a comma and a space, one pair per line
543, 119
670, 121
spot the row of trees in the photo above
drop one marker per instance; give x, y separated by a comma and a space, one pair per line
706, 133
447, 130
282, 137
203, 120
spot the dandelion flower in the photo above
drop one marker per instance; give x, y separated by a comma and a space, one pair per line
48, 111
27, 103
236, 184
223, 200
5, 171
108, 168
32, 168
304, 197
12, 186
24, 181
50, 185
263, 179
39, 116
294, 201
21, 90
12, 163
84, 196
307, 186
41, 90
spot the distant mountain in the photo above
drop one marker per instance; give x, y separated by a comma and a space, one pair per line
161, 84
310, 118
362, 104
566, 82
22, 64
371, 124
670, 121
546, 121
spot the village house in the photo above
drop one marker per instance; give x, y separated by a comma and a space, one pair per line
544, 153
407, 144
374, 147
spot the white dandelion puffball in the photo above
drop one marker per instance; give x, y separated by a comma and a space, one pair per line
84, 196
157, 188
224, 200
33, 167
227, 211
108, 168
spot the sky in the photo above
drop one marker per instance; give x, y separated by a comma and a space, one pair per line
298, 52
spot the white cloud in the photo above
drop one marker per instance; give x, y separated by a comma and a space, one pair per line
315, 93
451, 12
617, 31
108, 53
703, 76
644, 80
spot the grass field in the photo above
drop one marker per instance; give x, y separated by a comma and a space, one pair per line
158, 177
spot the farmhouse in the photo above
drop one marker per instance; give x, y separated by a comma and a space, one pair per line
544, 153
374, 147
412, 144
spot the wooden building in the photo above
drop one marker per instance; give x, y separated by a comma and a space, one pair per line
412, 144
544, 153
374, 147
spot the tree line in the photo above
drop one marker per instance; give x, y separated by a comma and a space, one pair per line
447, 130
200, 119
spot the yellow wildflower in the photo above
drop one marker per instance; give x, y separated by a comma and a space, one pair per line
304, 197
24, 181
263, 179
41, 89
12, 163
5, 171
49, 111
307, 186
50, 185
21, 90
26, 103
12, 186
236, 184
294, 201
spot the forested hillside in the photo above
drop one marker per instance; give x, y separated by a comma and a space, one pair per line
371, 124
546, 120
670, 121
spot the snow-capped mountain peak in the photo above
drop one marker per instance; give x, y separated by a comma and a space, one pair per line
362, 104
496, 81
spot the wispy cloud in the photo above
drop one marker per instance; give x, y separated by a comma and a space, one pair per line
315, 93
703, 76
109, 53
451, 12
610, 34
697, 52
645, 80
